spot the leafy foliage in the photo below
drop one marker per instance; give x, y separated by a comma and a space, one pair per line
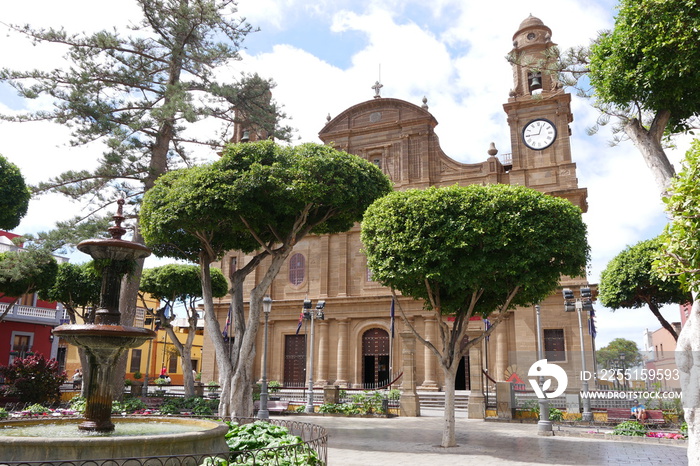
617, 352
630, 281
682, 235
14, 195
458, 247
128, 405
33, 379
197, 405
649, 58
260, 435
258, 197
180, 282
630, 428
25, 271
77, 287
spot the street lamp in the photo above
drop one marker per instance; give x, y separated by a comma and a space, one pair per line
583, 304
263, 413
544, 425
312, 315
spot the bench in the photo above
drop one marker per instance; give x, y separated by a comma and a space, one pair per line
273, 406
654, 416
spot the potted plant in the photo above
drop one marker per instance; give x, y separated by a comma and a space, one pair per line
273, 387
198, 385
212, 387
136, 387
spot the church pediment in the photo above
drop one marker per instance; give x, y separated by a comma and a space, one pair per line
377, 113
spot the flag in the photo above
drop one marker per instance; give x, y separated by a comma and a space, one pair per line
301, 319
591, 324
391, 325
487, 326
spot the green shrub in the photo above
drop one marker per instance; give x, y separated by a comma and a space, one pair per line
260, 435
128, 405
33, 379
394, 394
196, 405
630, 428
684, 429
38, 409
555, 414
77, 404
3, 413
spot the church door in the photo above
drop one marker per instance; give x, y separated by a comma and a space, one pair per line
375, 357
294, 360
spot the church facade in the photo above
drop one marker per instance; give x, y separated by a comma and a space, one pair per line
354, 345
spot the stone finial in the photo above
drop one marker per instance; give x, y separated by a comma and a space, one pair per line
492, 150
328, 118
425, 103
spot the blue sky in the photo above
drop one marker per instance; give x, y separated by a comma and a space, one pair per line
326, 54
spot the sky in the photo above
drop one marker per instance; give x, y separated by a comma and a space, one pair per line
324, 56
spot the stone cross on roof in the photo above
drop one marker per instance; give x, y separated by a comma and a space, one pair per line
377, 86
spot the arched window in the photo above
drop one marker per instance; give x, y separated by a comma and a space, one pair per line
297, 269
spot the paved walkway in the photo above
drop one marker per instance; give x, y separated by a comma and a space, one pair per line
415, 441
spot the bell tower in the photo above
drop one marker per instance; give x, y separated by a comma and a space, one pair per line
539, 113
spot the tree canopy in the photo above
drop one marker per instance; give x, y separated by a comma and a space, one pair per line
77, 287
619, 354
14, 195
25, 271
647, 61
682, 235
630, 281
471, 251
180, 282
465, 250
258, 197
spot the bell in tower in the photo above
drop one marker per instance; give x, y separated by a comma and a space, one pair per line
532, 73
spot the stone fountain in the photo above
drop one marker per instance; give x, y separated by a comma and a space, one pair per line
104, 342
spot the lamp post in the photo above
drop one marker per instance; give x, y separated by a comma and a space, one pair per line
310, 314
544, 425
571, 304
263, 413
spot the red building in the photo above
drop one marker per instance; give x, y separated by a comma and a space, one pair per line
27, 327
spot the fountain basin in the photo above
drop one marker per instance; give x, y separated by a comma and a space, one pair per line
201, 437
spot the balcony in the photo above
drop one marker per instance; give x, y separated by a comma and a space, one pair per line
32, 314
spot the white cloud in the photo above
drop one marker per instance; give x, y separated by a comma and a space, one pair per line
451, 51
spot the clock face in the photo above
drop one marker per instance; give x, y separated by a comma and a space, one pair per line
539, 134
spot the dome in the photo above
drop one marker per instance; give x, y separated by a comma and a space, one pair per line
530, 21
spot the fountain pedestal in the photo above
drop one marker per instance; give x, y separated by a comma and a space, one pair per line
104, 344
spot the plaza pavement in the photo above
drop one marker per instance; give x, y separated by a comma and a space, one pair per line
415, 441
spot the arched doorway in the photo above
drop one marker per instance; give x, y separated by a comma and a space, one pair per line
375, 357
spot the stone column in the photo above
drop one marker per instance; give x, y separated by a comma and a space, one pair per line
342, 363
322, 373
476, 408
501, 352
409, 405
429, 381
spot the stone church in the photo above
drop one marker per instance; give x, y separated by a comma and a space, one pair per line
353, 345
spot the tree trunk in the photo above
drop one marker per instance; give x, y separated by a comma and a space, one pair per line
448, 430
687, 349
648, 142
241, 397
664, 323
